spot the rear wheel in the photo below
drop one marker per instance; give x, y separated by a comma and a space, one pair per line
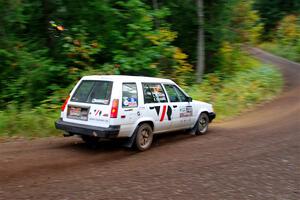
202, 124
90, 140
144, 137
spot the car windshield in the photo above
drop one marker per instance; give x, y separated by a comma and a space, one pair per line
97, 92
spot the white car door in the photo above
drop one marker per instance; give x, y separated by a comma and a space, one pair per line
186, 110
182, 108
156, 106
175, 104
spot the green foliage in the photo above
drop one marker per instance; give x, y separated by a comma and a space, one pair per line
255, 85
183, 19
245, 23
126, 42
288, 31
233, 60
26, 122
289, 52
80, 52
286, 40
29, 76
272, 12
218, 16
39, 64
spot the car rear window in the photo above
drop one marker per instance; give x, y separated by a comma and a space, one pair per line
89, 91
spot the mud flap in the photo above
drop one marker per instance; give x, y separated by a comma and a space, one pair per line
130, 141
193, 130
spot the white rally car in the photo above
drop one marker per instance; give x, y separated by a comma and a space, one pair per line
132, 108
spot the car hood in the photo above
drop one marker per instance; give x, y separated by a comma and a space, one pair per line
208, 106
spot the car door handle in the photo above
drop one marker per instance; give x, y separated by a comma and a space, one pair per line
129, 109
175, 106
151, 107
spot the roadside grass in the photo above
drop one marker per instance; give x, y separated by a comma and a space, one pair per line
240, 92
288, 52
29, 123
230, 95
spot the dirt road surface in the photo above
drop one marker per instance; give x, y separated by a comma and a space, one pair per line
255, 156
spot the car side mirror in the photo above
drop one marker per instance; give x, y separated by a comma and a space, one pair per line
189, 99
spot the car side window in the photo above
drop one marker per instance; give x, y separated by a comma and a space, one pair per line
182, 96
154, 93
175, 94
171, 91
129, 95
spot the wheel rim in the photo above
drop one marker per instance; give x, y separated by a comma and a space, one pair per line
203, 122
144, 138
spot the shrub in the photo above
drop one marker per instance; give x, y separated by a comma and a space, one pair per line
26, 122
241, 91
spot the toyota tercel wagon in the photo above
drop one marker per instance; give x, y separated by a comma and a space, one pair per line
131, 107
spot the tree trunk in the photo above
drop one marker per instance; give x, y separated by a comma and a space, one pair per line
200, 43
156, 7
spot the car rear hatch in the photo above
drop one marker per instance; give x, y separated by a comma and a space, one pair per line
90, 103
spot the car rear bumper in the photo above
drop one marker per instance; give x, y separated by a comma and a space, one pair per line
211, 116
80, 129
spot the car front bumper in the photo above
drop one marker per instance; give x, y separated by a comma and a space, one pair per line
211, 116
80, 129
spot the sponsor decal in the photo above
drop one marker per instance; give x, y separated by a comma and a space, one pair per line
97, 112
130, 102
169, 113
163, 113
97, 119
157, 108
165, 110
186, 111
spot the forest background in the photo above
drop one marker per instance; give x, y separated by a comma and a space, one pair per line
46, 46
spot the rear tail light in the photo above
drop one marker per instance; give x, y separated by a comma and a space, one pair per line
114, 108
65, 103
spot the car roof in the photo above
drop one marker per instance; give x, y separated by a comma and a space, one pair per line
124, 78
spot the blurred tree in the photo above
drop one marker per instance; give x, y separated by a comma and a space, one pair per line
288, 30
137, 37
245, 23
184, 21
124, 39
272, 12
200, 42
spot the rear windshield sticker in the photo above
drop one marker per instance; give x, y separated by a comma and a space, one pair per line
103, 101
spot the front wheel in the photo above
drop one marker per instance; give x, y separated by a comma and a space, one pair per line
202, 124
144, 137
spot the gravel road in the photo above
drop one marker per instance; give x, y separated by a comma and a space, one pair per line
255, 156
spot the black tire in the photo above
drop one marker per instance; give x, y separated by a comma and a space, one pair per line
202, 124
144, 137
90, 140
